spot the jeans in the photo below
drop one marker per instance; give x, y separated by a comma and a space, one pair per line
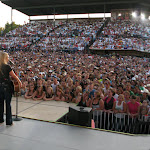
5, 96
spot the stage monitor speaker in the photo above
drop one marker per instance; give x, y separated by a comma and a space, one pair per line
80, 116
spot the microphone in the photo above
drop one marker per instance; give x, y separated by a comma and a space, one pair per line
11, 63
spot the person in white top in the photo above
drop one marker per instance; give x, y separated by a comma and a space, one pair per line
55, 83
119, 107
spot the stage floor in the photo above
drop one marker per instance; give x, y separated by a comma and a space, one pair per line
36, 135
43, 110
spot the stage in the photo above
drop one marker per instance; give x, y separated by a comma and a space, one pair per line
42, 110
37, 135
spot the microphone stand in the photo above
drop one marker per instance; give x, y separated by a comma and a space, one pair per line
16, 116
16, 93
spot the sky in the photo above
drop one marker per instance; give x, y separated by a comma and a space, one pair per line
17, 17
20, 18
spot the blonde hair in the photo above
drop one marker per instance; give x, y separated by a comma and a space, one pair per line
3, 56
69, 80
98, 94
122, 96
79, 88
49, 87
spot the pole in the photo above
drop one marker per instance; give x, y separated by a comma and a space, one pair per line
16, 116
54, 17
11, 17
29, 20
104, 11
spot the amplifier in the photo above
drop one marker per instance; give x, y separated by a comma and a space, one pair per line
80, 115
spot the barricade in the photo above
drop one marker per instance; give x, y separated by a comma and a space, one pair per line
121, 122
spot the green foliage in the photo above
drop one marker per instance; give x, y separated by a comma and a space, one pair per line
1, 30
9, 27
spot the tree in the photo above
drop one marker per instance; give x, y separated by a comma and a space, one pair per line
1, 30
9, 27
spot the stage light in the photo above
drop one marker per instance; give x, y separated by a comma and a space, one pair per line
142, 16
149, 17
119, 14
134, 14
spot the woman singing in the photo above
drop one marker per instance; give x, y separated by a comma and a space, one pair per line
6, 87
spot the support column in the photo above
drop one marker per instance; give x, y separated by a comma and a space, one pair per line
11, 17
104, 14
54, 17
29, 20
67, 19
104, 11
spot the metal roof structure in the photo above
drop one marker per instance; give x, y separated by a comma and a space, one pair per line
48, 7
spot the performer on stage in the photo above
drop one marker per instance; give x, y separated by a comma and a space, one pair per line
6, 88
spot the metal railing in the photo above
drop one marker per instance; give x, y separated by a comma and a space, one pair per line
122, 122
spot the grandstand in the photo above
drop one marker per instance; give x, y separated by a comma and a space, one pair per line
124, 34
81, 35
35, 35
55, 58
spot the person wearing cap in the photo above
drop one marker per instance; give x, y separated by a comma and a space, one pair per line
148, 87
40, 75
145, 95
48, 75
31, 74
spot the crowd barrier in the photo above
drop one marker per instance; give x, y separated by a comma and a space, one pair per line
121, 122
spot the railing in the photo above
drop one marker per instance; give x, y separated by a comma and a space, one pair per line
121, 122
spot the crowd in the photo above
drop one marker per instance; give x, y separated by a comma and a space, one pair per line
124, 34
127, 28
119, 84
77, 34
88, 80
32, 29
23, 37
62, 43
16, 43
121, 43
74, 35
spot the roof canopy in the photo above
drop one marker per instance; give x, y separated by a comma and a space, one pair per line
48, 7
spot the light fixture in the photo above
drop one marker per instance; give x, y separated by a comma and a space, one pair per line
134, 14
142, 16
119, 14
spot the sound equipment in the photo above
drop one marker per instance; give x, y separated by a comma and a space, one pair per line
80, 115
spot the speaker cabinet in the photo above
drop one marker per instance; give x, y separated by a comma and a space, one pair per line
80, 116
